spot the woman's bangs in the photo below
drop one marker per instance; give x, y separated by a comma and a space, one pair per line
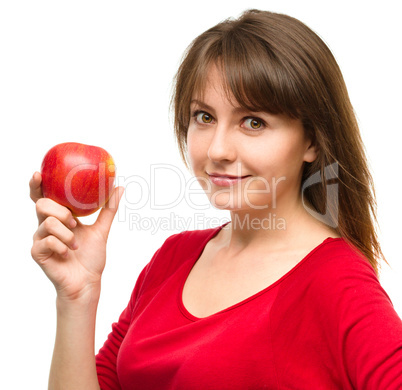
259, 84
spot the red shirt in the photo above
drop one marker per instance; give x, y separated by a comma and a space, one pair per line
326, 324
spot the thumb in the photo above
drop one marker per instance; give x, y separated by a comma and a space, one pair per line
109, 210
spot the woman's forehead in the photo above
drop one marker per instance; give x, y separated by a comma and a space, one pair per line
214, 82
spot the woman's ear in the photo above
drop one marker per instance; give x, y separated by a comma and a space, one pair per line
311, 153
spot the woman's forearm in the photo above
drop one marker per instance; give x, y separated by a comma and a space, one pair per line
73, 363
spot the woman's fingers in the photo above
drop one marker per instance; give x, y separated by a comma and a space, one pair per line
43, 249
46, 207
106, 215
51, 226
52, 237
35, 187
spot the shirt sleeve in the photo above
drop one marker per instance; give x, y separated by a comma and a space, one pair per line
107, 356
368, 329
106, 359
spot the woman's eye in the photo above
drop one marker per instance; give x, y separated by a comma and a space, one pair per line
253, 123
203, 117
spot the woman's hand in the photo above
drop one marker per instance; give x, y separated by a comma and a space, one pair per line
71, 254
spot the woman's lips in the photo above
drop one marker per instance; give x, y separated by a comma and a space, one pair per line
226, 181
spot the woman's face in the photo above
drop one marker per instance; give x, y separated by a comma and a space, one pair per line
263, 153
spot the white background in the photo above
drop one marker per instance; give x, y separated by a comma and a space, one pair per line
100, 73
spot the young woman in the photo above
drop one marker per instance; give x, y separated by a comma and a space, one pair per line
285, 295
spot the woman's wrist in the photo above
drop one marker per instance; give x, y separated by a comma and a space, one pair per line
84, 302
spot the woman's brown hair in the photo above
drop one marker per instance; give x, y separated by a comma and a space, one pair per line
274, 63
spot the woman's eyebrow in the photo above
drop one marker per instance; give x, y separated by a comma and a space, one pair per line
237, 109
201, 104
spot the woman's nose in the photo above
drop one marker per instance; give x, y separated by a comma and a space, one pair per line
222, 146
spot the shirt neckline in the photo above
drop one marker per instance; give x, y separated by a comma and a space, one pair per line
190, 264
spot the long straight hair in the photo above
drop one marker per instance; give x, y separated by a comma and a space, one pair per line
274, 63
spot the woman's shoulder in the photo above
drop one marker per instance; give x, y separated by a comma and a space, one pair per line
335, 304
337, 273
333, 270
336, 281
337, 264
337, 256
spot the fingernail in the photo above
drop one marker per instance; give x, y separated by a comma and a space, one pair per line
73, 223
74, 245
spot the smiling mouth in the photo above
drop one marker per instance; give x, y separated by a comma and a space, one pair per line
227, 176
226, 181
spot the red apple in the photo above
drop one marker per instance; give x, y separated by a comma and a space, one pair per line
80, 177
